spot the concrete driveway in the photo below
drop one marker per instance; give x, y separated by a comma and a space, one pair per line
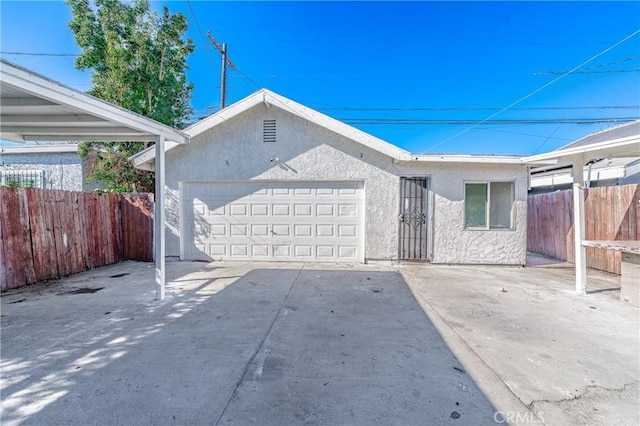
236, 344
308, 344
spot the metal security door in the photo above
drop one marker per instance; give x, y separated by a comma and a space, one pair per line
413, 219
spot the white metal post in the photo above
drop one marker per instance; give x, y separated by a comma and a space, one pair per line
579, 251
159, 217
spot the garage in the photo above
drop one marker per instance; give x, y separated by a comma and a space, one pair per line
311, 221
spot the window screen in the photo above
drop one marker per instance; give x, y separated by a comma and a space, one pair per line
475, 205
501, 200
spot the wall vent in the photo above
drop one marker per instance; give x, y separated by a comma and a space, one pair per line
269, 130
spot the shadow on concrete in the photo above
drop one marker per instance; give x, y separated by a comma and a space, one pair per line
269, 346
604, 290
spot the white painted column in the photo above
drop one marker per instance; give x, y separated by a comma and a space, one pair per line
159, 218
580, 252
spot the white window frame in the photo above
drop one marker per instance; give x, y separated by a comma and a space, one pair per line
488, 227
5, 173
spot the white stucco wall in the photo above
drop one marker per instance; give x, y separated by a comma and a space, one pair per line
235, 151
454, 244
62, 170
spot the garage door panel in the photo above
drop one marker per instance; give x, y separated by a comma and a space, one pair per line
218, 230
218, 249
347, 230
258, 210
239, 250
347, 252
303, 251
324, 209
261, 230
303, 209
324, 231
281, 210
283, 220
260, 250
303, 230
281, 230
239, 230
325, 252
349, 210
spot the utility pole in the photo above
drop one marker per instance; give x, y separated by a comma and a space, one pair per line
223, 74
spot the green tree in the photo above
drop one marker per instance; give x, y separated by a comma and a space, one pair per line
138, 60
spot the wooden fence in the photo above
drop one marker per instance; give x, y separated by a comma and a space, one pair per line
47, 234
611, 213
137, 227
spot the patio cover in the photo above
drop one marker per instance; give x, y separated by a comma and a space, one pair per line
35, 108
617, 142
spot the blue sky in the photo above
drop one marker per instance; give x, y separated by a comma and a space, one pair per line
415, 74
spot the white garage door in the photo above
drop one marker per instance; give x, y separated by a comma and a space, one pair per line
275, 220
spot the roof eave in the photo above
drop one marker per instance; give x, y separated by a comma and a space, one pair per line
465, 158
623, 147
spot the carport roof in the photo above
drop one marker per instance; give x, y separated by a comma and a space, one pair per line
617, 142
35, 108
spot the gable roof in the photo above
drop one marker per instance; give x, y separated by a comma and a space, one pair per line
619, 141
145, 159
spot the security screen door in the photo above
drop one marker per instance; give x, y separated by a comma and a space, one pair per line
413, 218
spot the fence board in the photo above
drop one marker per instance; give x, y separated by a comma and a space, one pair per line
7, 240
611, 213
45, 234
137, 236
3, 259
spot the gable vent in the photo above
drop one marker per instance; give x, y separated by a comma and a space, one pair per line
269, 130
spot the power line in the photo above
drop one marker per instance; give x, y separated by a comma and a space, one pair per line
337, 108
547, 139
538, 90
236, 69
528, 134
606, 64
204, 39
590, 72
402, 121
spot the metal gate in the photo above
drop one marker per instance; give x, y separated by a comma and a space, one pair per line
412, 244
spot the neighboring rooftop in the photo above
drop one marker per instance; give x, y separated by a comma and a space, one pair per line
617, 132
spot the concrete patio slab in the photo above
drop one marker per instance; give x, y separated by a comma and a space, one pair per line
572, 359
296, 343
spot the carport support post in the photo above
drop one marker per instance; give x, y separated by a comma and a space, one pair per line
158, 223
578, 228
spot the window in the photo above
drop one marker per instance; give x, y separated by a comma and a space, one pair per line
488, 205
22, 178
269, 130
